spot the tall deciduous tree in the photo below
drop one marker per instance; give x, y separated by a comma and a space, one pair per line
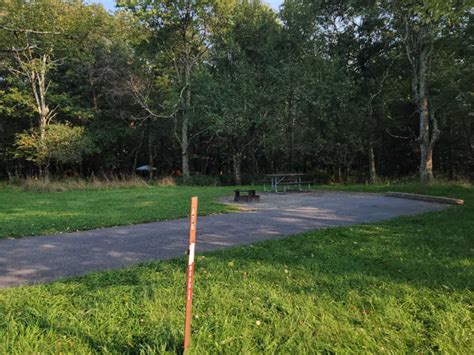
39, 36
181, 31
419, 23
241, 61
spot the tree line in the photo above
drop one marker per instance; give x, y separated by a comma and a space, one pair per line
345, 90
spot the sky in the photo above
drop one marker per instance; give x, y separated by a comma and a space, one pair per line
110, 4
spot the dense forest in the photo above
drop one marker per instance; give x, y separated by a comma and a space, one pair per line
344, 90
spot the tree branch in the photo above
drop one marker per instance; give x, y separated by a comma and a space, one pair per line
24, 30
18, 50
395, 136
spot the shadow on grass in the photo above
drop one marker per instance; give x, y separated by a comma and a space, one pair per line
430, 251
136, 344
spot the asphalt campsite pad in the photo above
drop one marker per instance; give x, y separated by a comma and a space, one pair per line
40, 259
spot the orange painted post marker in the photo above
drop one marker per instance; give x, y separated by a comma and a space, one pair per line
190, 276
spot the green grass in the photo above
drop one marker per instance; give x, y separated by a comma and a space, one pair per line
393, 287
446, 189
39, 213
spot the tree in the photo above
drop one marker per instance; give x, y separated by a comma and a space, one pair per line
327, 87
181, 32
39, 32
239, 66
373, 66
59, 143
324, 57
419, 24
452, 94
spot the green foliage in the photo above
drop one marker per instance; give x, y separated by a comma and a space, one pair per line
58, 143
240, 78
403, 286
432, 11
315, 87
16, 102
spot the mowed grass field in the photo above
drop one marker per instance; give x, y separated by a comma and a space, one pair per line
399, 286
39, 213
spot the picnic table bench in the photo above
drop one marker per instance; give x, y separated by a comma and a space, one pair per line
286, 180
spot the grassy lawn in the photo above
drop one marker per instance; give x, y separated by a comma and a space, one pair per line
400, 286
39, 213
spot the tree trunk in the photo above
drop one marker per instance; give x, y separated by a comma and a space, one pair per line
40, 87
185, 126
373, 177
426, 149
421, 94
237, 163
184, 147
43, 121
419, 48
426, 165
185, 162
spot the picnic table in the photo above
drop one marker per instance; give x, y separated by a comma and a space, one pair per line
285, 180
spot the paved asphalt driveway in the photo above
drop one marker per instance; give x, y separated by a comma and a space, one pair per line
41, 259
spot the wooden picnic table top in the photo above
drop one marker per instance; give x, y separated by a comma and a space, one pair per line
284, 174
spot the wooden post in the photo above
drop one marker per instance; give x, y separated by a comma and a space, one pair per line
190, 275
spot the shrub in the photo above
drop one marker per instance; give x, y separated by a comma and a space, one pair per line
59, 143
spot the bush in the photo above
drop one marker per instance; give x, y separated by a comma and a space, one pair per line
60, 143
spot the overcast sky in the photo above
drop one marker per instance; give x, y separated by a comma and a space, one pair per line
110, 4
